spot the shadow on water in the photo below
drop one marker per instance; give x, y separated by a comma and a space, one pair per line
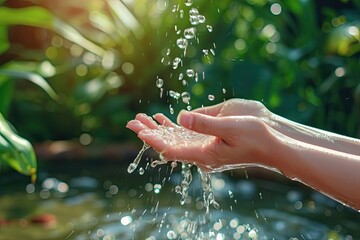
100, 200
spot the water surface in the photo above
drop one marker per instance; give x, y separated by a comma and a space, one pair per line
101, 200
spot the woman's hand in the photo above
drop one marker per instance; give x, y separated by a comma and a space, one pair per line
236, 107
214, 142
241, 132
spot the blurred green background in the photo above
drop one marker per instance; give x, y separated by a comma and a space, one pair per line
93, 64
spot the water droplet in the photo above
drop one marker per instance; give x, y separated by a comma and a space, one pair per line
209, 27
211, 97
181, 76
141, 171
185, 97
182, 43
190, 73
178, 189
168, 51
171, 111
188, 2
182, 200
157, 188
231, 194
205, 51
224, 90
201, 18
176, 62
132, 167
173, 164
212, 51
189, 108
181, 13
159, 82
171, 235
194, 20
189, 33
194, 12
174, 95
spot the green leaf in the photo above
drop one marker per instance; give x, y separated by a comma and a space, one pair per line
4, 41
16, 151
30, 16
6, 89
33, 77
71, 34
41, 17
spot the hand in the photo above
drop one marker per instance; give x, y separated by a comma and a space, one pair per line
236, 107
212, 143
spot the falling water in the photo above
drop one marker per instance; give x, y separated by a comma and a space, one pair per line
178, 135
137, 160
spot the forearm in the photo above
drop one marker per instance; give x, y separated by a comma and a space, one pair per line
314, 136
333, 173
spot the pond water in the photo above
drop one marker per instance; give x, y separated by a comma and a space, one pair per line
101, 200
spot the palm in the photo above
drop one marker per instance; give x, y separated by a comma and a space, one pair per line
172, 141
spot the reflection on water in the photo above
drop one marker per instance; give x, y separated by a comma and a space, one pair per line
85, 204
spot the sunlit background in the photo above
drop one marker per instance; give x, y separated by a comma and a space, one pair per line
94, 64
300, 58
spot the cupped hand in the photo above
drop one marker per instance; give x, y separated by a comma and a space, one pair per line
212, 143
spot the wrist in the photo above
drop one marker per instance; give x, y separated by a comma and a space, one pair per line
268, 148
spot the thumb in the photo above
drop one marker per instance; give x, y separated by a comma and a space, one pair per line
205, 124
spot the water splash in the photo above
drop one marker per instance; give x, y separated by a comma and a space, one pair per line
208, 194
183, 189
132, 167
162, 161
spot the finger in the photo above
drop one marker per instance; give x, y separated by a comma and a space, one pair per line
210, 110
147, 120
221, 127
163, 120
136, 126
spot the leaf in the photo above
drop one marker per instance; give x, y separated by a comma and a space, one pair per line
4, 41
71, 34
41, 17
30, 16
6, 89
95, 89
16, 151
33, 77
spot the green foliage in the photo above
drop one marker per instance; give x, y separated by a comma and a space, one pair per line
301, 58
16, 151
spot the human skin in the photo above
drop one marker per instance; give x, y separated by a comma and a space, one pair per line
239, 133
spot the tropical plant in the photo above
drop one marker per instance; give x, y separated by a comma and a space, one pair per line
103, 58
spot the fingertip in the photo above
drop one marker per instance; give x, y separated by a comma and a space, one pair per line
135, 125
185, 119
141, 116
